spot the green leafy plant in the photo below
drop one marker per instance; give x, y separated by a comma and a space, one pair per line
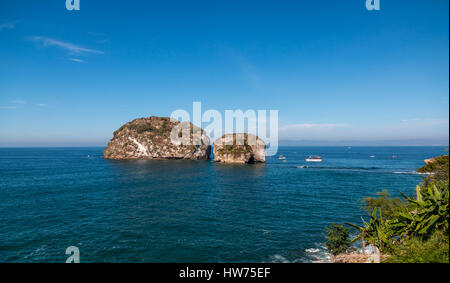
431, 210
337, 237
374, 231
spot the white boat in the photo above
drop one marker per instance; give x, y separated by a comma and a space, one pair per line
314, 159
281, 157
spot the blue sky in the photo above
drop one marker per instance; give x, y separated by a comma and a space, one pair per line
334, 70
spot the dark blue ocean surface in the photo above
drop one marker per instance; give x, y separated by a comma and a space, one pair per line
189, 211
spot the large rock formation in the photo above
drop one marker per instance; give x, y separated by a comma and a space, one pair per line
239, 148
150, 138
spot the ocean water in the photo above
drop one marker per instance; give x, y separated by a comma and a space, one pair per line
189, 211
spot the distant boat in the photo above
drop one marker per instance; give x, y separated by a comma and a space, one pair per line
372, 156
281, 157
314, 159
394, 156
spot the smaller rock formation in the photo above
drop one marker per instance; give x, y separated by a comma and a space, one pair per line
239, 148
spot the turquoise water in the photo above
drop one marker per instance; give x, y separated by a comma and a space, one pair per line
189, 211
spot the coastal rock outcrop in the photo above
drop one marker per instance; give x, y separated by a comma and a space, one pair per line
150, 138
239, 148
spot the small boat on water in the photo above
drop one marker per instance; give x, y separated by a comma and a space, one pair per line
314, 159
281, 157
372, 156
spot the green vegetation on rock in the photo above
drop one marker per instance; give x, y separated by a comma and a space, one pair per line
236, 149
233, 149
438, 164
438, 169
141, 127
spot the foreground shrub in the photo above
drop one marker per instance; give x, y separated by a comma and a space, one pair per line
386, 204
415, 250
338, 240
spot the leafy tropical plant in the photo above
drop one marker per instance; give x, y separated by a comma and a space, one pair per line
431, 210
374, 231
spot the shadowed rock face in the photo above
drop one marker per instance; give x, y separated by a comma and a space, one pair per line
150, 138
239, 148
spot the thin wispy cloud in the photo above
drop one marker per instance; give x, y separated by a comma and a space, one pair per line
101, 37
13, 107
101, 41
73, 48
243, 66
76, 60
424, 121
314, 126
19, 102
7, 25
41, 105
413, 129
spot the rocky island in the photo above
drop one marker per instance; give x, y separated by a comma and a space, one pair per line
228, 150
150, 138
